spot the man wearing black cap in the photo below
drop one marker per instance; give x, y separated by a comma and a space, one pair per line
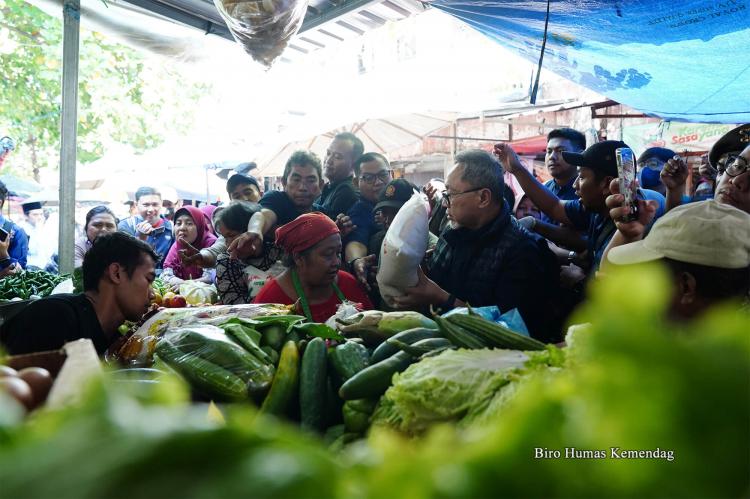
242, 187
597, 166
396, 193
14, 243
729, 156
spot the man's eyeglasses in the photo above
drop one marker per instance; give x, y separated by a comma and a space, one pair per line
735, 166
371, 178
448, 195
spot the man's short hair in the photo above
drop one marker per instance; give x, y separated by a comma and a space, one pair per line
713, 283
482, 170
3, 192
146, 191
236, 215
366, 158
357, 146
574, 136
302, 158
114, 247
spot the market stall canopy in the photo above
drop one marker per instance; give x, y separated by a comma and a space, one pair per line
381, 135
20, 187
683, 61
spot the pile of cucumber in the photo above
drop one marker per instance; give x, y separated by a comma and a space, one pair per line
323, 384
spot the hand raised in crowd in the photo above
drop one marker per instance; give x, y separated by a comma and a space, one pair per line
190, 255
425, 292
507, 157
706, 170
618, 211
364, 268
345, 225
674, 174
431, 191
143, 229
246, 245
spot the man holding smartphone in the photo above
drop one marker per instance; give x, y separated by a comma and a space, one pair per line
14, 243
148, 225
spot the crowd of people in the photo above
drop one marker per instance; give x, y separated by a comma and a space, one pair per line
316, 243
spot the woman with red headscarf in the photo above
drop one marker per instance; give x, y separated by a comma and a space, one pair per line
190, 228
312, 247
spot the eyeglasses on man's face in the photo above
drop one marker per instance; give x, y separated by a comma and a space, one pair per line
371, 178
448, 195
735, 166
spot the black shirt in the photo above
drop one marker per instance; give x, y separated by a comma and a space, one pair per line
49, 323
279, 203
337, 197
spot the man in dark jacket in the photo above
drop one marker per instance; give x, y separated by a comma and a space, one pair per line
339, 194
485, 257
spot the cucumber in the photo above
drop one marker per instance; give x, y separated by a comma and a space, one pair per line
205, 377
409, 336
286, 382
273, 336
348, 359
422, 347
375, 380
357, 414
312, 386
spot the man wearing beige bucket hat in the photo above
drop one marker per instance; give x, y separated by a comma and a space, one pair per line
706, 247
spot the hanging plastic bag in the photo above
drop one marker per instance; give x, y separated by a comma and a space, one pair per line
263, 27
404, 247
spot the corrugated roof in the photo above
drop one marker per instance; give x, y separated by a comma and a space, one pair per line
326, 22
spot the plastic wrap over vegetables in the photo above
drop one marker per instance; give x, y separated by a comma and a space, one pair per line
263, 27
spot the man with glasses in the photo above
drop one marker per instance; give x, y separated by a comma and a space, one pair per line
485, 257
729, 156
371, 174
650, 164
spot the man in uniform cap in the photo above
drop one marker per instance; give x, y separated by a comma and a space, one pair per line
729, 156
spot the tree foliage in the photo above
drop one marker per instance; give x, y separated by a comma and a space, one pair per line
125, 96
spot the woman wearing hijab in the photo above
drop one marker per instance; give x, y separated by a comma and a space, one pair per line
99, 220
208, 211
190, 228
312, 246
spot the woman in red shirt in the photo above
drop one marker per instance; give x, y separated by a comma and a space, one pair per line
312, 246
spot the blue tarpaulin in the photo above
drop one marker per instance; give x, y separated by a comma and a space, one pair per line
681, 60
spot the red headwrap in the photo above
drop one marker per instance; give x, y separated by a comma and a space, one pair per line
304, 232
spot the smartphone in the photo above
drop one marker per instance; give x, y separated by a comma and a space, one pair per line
3, 234
626, 168
157, 231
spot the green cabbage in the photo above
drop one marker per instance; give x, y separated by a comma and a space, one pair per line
446, 387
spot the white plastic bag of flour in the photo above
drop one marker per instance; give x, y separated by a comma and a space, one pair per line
404, 247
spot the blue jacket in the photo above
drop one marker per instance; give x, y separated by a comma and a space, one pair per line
19, 243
